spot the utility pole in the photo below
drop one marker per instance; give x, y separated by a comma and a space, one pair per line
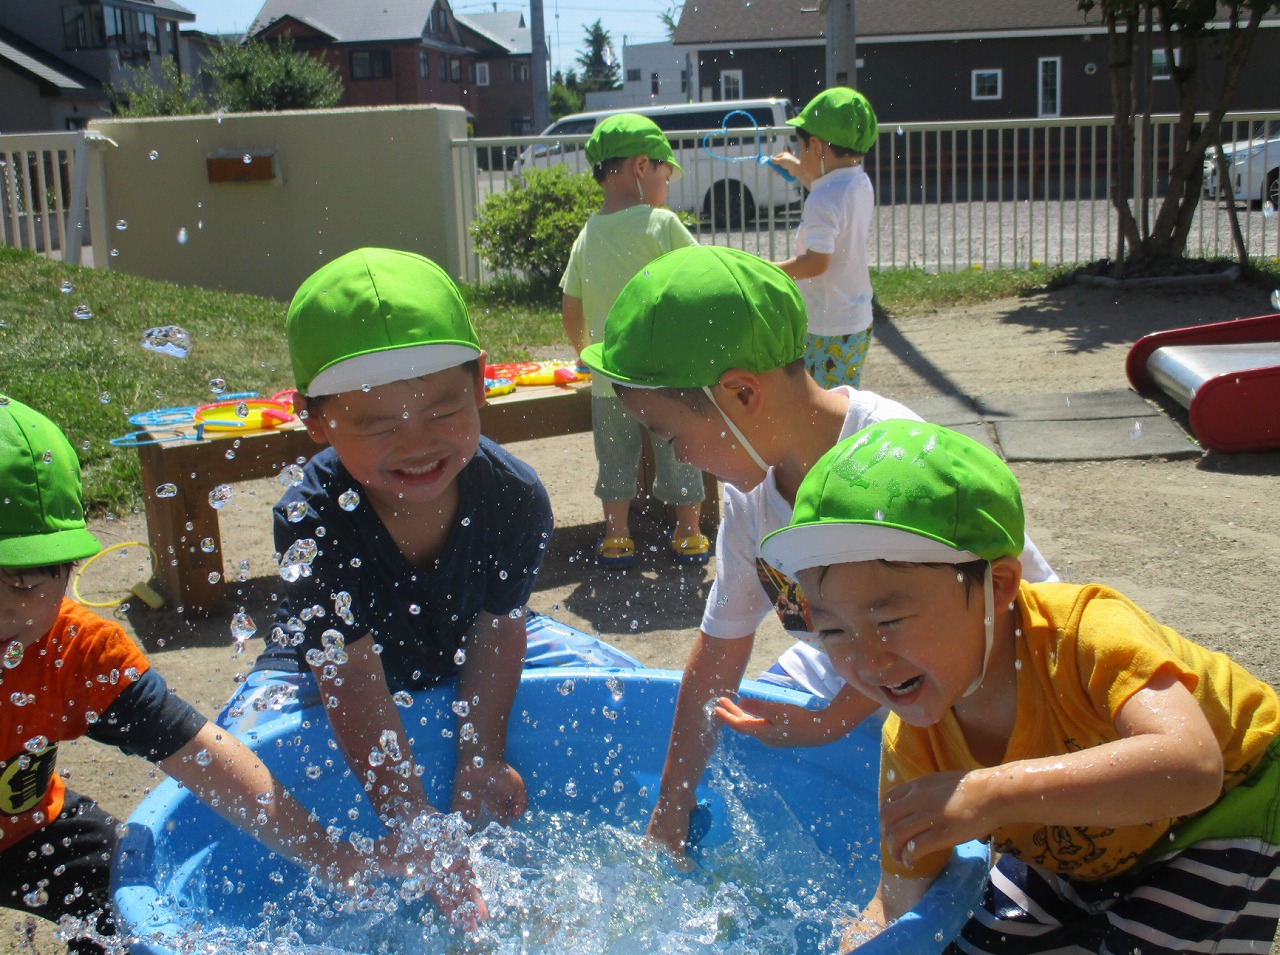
842, 42
538, 68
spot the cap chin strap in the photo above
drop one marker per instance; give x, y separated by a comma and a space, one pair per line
738, 435
989, 627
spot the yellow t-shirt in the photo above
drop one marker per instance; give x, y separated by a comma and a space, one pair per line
1084, 651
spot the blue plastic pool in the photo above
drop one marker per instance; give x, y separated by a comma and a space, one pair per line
587, 741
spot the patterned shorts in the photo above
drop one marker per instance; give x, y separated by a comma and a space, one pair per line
835, 360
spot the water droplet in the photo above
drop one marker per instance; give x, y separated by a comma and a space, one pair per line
461, 707
204, 757
295, 511
243, 627
1135, 432
183, 236
219, 496
207, 545
460, 657
402, 698
214, 577
36, 744
153, 155
167, 490
168, 339
65, 287
83, 313
104, 397
13, 654
1275, 299
349, 499
900, 131
1268, 210
289, 475
36, 898
248, 159
121, 225
217, 385
297, 560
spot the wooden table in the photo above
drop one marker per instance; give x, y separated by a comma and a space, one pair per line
177, 525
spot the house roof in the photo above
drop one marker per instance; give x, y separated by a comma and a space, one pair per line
730, 21
348, 22
45, 69
507, 30
166, 9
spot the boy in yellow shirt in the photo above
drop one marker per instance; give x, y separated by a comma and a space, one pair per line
1127, 777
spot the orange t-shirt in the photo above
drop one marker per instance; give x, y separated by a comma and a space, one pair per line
63, 683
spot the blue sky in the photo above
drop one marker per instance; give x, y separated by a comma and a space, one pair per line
637, 20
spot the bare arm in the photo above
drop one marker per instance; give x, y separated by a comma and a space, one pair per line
1166, 763
714, 669
229, 778
486, 785
783, 724
574, 320
806, 265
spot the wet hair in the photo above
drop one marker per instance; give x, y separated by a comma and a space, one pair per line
841, 151
15, 576
971, 573
695, 399
316, 403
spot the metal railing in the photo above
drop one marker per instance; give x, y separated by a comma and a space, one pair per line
49, 183
949, 196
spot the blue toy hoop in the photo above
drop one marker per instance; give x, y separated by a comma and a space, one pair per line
136, 439
759, 158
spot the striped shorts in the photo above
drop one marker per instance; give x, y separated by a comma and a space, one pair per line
1216, 896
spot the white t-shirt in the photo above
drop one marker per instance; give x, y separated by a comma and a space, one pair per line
835, 221
746, 588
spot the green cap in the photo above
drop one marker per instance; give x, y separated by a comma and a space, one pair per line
840, 116
628, 134
374, 316
694, 313
41, 512
901, 490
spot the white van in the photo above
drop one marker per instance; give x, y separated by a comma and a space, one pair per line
722, 181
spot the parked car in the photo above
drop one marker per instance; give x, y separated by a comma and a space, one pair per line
714, 143
1253, 166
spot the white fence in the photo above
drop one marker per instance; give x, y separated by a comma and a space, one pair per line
1000, 194
49, 182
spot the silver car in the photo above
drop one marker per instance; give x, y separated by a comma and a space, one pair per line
1253, 167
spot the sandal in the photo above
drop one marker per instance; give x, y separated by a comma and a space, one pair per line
615, 553
694, 549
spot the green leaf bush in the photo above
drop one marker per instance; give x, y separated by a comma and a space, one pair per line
529, 228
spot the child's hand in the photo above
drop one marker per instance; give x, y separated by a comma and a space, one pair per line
787, 161
772, 723
932, 814
493, 790
669, 828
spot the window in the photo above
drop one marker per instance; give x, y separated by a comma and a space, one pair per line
986, 84
684, 81
1160, 64
519, 72
654, 84
731, 84
424, 64
1049, 87
92, 26
370, 64
482, 74
633, 76
455, 70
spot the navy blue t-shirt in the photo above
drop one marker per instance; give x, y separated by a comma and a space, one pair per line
359, 583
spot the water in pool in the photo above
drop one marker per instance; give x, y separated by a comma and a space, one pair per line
579, 881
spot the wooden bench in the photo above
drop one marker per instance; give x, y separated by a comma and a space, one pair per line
189, 573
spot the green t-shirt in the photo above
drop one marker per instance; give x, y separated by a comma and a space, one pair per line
609, 251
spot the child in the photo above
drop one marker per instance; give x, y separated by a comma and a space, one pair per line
633, 162
835, 130
410, 545
1127, 777
69, 673
707, 346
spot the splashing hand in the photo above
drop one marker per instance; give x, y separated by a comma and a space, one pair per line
772, 723
490, 791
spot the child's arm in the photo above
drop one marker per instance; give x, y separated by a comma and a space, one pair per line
714, 669
808, 264
365, 721
233, 781
485, 784
791, 163
894, 897
1167, 763
784, 724
574, 320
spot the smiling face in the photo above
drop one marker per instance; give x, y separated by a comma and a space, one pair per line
699, 438
29, 602
405, 442
909, 636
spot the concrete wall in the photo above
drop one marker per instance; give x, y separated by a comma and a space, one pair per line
346, 178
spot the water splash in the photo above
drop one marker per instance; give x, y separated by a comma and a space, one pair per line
168, 340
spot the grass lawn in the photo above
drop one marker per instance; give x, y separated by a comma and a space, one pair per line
89, 374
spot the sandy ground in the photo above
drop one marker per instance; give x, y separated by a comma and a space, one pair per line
1195, 541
